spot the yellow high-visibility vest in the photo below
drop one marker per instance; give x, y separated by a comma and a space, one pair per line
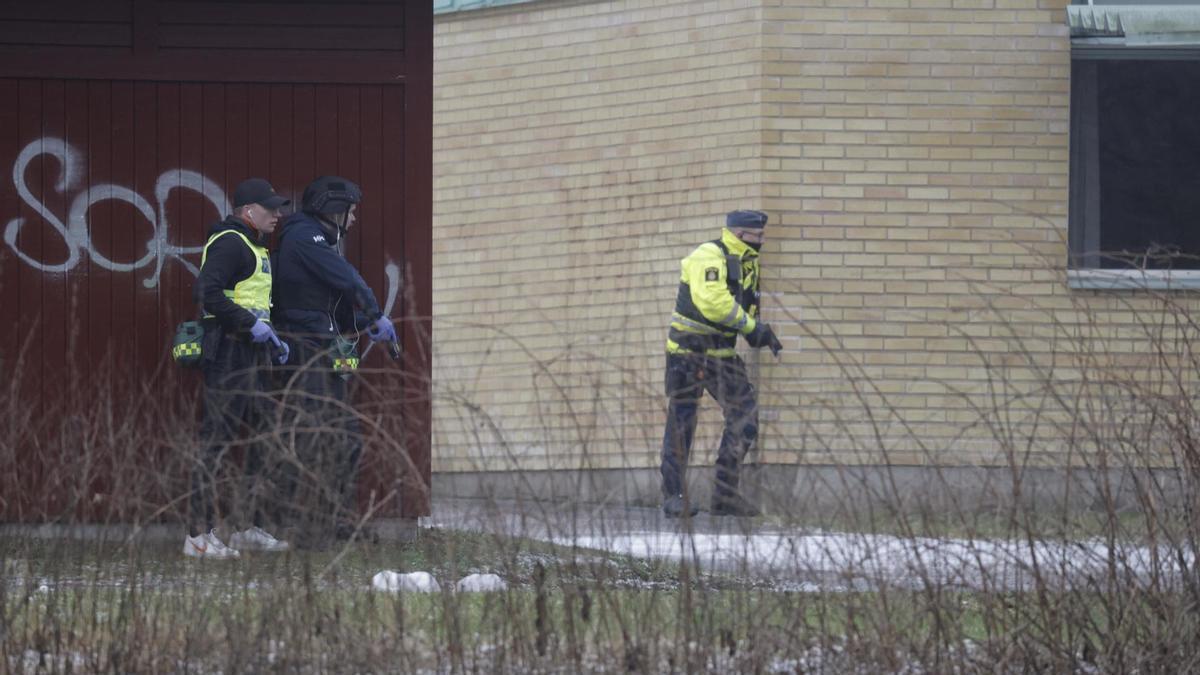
717, 298
254, 292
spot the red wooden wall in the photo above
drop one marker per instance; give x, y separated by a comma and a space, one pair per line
124, 127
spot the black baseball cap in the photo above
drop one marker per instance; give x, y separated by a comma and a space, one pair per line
257, 191
747, 220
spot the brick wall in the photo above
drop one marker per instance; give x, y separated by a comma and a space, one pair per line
581, 149
917, 154
912, 155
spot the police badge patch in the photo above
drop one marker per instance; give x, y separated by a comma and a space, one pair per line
711, 274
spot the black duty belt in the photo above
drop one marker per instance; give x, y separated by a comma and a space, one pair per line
701, 343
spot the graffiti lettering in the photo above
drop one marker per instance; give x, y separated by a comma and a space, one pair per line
70, 176
76, 233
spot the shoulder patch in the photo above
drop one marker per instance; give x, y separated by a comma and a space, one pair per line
319, 238
711, 274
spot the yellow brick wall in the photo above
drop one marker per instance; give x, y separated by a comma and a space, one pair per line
916, 152
912, 155
580, 149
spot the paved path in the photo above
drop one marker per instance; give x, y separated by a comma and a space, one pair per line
785, 557
806, 559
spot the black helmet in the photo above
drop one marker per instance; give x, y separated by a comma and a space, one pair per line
330, 195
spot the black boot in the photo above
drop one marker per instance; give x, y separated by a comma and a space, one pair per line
733, 504
673, 507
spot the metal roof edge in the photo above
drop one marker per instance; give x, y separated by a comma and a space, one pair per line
451, 6
1139, 25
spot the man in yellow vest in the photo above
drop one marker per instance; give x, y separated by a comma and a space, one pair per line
717, 300
234, 287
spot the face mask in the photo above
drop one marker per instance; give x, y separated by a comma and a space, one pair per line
739, 233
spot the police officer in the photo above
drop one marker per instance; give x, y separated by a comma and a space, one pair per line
717, 300
234, 288
320, 300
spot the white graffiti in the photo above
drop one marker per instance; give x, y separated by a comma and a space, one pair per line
76, 233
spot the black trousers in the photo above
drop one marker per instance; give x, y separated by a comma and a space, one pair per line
324, 438
238, 410
688, 376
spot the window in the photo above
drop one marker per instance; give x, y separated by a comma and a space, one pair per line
1134, 217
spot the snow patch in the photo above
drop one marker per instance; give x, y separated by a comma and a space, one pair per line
481, 583
412, 582
425, 583
972, 563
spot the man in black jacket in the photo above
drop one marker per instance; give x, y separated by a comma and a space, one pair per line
321, 304
234, 288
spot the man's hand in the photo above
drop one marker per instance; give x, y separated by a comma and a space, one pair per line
773, 342
764, 336
382, 330
283, 351
261, 332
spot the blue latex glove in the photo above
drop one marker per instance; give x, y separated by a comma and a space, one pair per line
382, 330
261, 332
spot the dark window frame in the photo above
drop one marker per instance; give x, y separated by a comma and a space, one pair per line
1087, 267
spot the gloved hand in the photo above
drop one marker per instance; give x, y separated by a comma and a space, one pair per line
283, 351
764, 336
261, 332
773, 342
382, 330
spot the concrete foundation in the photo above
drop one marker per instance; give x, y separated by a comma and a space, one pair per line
798, 490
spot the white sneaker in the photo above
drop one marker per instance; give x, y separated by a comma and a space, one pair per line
207, 546
256, 539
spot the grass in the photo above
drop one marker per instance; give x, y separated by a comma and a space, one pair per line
93, 606
448, 554
104, 607
109, 606
97, 602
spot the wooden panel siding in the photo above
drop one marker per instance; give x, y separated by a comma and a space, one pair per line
67, 23
115, 161
202, 40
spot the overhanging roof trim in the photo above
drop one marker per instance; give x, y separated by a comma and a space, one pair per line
1139, 25
450, 6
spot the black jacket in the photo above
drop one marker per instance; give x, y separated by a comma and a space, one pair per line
229, 261
316, 290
